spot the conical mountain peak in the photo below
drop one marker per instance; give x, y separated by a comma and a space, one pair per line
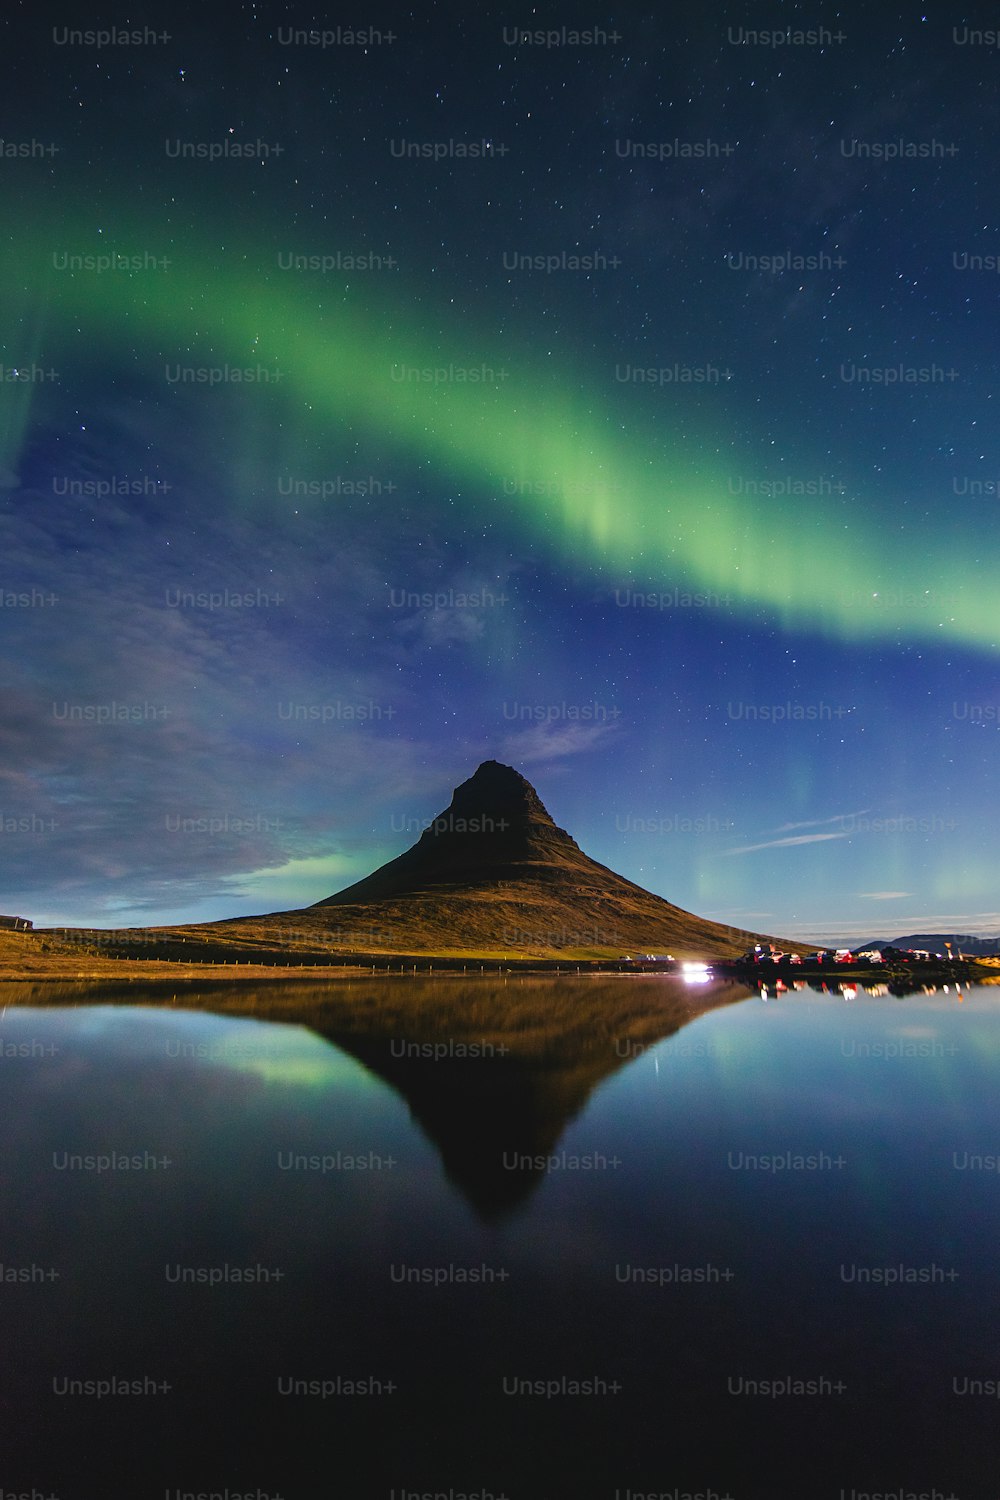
501, 792
495, 829
494, 874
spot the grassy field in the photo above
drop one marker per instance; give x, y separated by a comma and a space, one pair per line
210, 955
30, 956
551, 915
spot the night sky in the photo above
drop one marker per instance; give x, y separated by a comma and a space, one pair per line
621, 407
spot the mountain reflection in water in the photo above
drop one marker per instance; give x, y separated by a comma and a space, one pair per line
492, 1072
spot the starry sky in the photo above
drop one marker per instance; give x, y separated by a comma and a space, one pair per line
608, 392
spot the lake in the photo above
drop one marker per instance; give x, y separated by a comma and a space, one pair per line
533, 1237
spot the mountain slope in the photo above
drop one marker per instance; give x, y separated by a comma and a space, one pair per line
494, 873
491, 877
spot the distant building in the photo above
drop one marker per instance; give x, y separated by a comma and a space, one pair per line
16, 924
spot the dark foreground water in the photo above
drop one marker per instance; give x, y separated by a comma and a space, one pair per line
642, 1240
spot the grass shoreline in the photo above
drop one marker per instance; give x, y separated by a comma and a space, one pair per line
84, 967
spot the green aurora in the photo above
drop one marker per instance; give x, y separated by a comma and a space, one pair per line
596, 485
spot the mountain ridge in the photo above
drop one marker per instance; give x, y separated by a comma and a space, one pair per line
934, 942
516, 883
496, 806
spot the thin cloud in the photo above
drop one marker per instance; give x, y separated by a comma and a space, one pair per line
549, 741
213, 775
972, 924
802, 838
883, 895
822, 822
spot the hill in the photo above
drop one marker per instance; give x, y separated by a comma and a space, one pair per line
934, 942
492, 876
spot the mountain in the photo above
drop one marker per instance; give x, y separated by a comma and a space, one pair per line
495, 828
491, 877
934, 942
496, 1067
486, 1066
494, 874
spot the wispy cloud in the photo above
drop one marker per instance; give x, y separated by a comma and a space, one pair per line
822, 822
165, 757
554, 741
462, 608
969, 924
802, 838
883, 895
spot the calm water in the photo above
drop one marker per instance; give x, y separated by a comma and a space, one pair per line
738, 1195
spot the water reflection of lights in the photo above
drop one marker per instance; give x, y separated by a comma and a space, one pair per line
696, 973
851, 991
